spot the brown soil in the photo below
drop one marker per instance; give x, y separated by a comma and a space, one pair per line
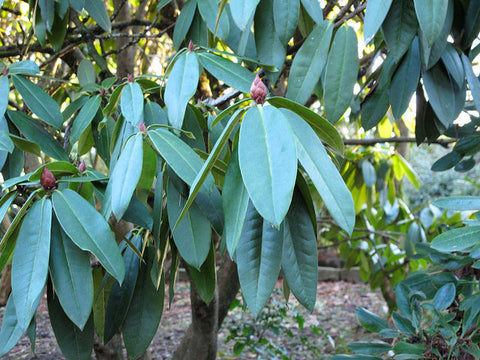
332, 323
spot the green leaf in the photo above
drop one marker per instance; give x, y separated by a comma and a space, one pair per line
323, 173
309, 62
193, 233
25, 67
10, 333
23, 145
75, 344
85, 117
205, 278
453, 63
268, 161
131, 103
181, 86
285, 16
209, 10
6, 143
375, 14
403, 324
355, 357
145, 311
242, 11
259, 257
30, 261
121, 296
313, 9
47, 8
400, 27
299, 257
270, 49
4, 91
39, 101
86, 73
441, 91
460, 239
370, 347
56, 35
36, 133
183, 23
71, 275
371, 321
320, 125
447, 161
125, 175
208, 164
96, 9
227, 71
405, 80
374, 108
472, 24
459, 203
444, 297
235, 202
340, 73
88, 230
473, 82
369, 173
431, 16
180, 157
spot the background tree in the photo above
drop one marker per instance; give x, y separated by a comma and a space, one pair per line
171, 157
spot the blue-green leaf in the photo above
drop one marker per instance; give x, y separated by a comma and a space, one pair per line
313, 9
85, 117
25, 67
181, 86
268, 161
431, 16
472, 79
30, 261
461, 239
183, 23
444, 296
209, 11
371, 321
308, 63
96, 9
285, 16
39, 101
131, 103
242, 11
4, 91
459, 203
340, 73
10, 333
88, 230
375, 13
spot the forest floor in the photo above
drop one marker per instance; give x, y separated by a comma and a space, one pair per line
285, 329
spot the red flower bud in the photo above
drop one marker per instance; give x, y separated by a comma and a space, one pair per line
5, 70
258, 90
190, 46
47, 180
130, 78
82, 167
142, 127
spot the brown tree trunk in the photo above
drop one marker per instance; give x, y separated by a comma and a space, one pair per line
200, 340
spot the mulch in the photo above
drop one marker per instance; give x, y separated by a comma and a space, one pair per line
329, 328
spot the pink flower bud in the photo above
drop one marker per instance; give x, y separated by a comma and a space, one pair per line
258, 90
190, 46
82, 167
103, 92
5, 70
130, 78
142, 127
47, 180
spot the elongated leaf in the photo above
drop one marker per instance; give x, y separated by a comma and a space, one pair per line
299, 257
75, 344
209, 9
21, 144
4, 91
370, 321
323, 173
11, 332
313, 9
121, 296
235, 202
126, 174
473, 82
38, 101
71, 276
208, 164
370, 347
268, 161
453, 63
285, 16
181, 86
96, 9
472, 24
270, 49
180, 157
229, 72
183, 23
145, 310
340, 73
193, 233
25, 67
444, 296
88, 230
36, 133
30, 261
5, 202
6, 143
86, 73
85, 117
460, 239
431, 16
405, 80
459, 203
242, 11
308, 64
375, 13
322, 127
131, 103
258, 255
400, 27
205, 279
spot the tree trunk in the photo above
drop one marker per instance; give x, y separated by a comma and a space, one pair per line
200, 340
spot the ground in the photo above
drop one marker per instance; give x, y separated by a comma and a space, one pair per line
332, 324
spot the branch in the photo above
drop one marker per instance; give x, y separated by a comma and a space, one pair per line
396, 140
